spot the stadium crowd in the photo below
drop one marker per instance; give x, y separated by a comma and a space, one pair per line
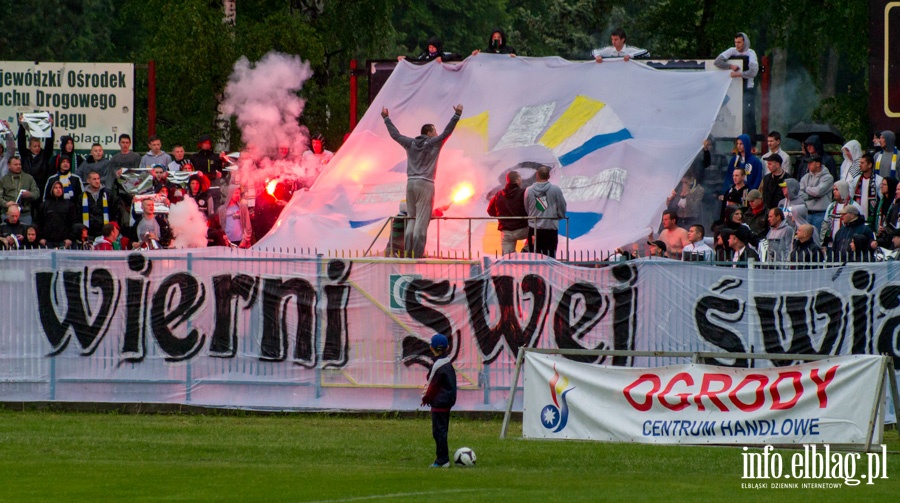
769, 207
119, 202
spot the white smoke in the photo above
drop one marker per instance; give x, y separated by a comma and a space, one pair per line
263, 97
188, 225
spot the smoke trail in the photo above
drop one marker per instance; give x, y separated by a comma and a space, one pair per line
188, 225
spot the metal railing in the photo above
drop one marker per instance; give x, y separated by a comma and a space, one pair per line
390, 221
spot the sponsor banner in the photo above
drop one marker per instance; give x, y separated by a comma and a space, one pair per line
254, 329
828, 401
91, 102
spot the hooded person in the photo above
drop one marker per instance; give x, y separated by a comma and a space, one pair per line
886, 160
852, 151
496, 44
72, 183
744, 158
747, 71
57, 218
198, 190
66, 149
205, 160
832, 222
814, 146
434, 50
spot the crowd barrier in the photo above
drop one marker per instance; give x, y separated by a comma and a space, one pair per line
265, 330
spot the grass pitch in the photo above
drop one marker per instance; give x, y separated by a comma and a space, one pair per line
234, 457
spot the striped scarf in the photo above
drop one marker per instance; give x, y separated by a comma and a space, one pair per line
68, 192
86, 211
871, 200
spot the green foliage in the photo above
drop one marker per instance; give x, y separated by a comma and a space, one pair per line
557, 27
463, 25
848, 112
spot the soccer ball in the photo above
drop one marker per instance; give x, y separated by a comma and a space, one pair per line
464, 457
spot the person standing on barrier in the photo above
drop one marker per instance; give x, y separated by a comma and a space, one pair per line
510, 202
421, 165
545, 200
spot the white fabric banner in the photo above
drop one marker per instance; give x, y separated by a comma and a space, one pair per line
250, 329
617, 136
828, 401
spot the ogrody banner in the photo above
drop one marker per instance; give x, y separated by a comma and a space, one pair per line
829, 401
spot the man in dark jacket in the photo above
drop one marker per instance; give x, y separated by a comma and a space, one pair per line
440, 395
814, 146
510, 202
851, 225
805, 248
421, 166
770, 187
205, 160
738, 241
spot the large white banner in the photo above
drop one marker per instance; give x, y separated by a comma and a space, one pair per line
252, 329
829, 401
91, 102
618, 137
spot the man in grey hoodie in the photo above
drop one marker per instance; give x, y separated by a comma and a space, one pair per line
421, 165
543, 199
747, 71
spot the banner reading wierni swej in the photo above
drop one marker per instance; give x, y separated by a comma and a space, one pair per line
617, 136
828, 401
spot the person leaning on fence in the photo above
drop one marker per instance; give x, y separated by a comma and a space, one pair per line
739, 243
832, 223
756, 215
779, 237
697, 250
510, 202
883, 228
805, 248
851, 225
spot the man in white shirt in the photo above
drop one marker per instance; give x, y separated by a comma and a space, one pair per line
618, 49
774, 143
697, 250
747, 71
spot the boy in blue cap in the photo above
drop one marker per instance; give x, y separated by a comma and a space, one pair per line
440, 395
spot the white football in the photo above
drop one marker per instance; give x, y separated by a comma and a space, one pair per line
464, 457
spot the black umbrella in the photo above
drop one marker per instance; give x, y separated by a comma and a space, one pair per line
827, 133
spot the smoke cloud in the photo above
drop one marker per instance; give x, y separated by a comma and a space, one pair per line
263, 98
188, 225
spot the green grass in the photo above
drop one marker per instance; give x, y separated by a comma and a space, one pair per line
72, 456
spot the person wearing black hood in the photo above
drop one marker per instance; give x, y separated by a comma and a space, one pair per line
497, 45
886, 160
434, 50
57, 218
747, 71
510, 202
66, 149
35, 160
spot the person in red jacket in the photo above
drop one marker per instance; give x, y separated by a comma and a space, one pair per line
440, 395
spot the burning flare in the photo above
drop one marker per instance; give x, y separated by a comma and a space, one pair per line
271, 185
462, 192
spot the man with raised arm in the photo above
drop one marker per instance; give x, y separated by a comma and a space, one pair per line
421, 165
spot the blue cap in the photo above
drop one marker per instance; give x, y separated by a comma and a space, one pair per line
439, 341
